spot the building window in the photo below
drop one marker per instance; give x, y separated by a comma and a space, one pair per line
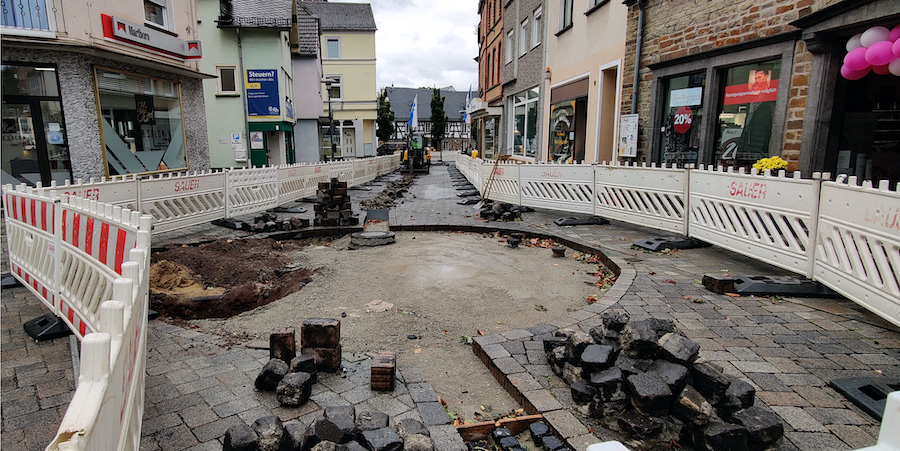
565, 14
141, 123
333, 48
525, 123
336, 91
746, 113
523, 37
156, 12
227, 82
683, 114
536, 28
509, 46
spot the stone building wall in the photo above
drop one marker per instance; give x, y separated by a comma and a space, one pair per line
686, 28
523, 72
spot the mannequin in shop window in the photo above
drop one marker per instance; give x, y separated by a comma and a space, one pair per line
754, 143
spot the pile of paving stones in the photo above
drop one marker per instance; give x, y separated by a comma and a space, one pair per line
503, 439
339, 429
387, 198
266, 222
333, 207
500, 211
643, 379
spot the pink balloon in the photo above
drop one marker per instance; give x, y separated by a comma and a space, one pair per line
896, 48
894, 34
894, 67
880, 53
873, 35
856, 59
881, 70
851, 74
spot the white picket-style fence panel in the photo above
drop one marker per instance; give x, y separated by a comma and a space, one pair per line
121, 191
654, 197
504, 186
558, 187
858, 245
183, 200
300, 180
764, 217
844, 236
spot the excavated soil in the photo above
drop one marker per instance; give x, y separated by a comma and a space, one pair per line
225, 277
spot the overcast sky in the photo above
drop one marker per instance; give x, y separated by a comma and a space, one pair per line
425, 43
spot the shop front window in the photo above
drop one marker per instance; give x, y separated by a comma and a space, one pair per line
490, 128
525, 130
141, 123
562, 132
34, 145
746, 113
682, 118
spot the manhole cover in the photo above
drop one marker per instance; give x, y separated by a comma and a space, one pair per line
371, 238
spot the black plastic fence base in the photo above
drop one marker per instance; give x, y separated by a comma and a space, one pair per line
468, 202
781, 285
228, 223
468, 193
658, 244
8, 281
867, 393
283, 209
592, 220
46, 327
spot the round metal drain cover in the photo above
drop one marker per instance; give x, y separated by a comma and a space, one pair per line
371, 238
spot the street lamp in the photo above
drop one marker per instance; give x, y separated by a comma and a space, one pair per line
331, 130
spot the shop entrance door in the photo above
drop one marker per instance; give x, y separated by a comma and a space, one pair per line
34, 145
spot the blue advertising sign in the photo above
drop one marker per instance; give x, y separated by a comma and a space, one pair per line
262, 94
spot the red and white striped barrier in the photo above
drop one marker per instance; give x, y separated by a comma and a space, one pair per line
74, 254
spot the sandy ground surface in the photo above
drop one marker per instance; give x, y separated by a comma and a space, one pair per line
437, 286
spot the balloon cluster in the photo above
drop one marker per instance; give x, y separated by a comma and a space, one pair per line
876, 50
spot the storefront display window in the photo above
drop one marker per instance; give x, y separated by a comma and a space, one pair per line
746, 113
141, 123
682, 118
562, 132
490, 127
34, 143
525, 123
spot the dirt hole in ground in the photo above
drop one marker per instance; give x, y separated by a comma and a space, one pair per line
225, 277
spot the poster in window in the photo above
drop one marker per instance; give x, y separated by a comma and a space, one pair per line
262, 94
146, 113
256, 140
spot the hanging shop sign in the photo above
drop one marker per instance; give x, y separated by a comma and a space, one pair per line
144, 36
262, 94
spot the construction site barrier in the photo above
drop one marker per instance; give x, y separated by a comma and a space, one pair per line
183, 199
89, 263
845, 236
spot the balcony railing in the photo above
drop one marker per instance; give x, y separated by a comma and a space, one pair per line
26, 15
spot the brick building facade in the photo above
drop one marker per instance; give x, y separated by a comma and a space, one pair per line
698, 100
522, 78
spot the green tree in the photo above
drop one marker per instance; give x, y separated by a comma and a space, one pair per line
438, 118
385, 120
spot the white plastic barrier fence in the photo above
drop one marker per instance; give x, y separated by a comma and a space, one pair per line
183, 200
858, 245
889, 433
852, 245
74, 253
504, 186
300, 180
654, 197
767, 218
69, 251
565, 187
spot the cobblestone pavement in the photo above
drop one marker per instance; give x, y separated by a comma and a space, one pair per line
198, 385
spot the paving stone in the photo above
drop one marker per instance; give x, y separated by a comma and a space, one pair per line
508, 365
799, 419
820, 396
564, 423
432, 413
775, 398
829, 416
809, 441
542, 400
446, 438
422, 393
853, 436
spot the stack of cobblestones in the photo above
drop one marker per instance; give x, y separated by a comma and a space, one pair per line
643, 379
333, 207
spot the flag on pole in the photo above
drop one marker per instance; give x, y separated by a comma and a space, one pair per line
414, 115
467, 118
